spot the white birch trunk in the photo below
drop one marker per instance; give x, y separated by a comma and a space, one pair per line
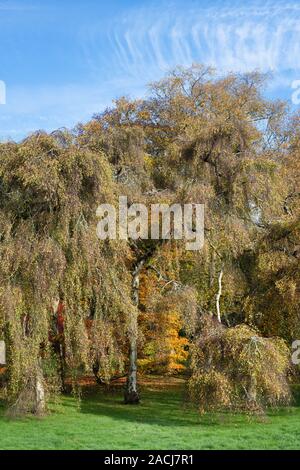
131, 392
218, 296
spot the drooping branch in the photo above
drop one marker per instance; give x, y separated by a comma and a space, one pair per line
177, 285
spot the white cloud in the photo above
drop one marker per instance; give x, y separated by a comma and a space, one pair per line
123, 55
237, 38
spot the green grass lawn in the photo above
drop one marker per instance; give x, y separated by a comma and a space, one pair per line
101, 421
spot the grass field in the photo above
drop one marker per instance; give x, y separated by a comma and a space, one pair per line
162, 421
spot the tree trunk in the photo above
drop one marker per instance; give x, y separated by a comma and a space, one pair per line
252, 394
218, 296
131, 392
62, 362
31, 398
40, 402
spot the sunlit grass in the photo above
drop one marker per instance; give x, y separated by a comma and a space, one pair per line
162, 421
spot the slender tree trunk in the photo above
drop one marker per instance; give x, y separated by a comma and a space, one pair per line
40, 402
131, 392
218, 296
62, 362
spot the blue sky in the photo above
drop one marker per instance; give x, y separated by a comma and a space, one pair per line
62, 61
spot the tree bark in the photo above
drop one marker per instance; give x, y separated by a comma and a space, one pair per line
252, 393
218, 296
131, 393
40, 402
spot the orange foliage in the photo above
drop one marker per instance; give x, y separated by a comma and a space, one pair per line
163, 349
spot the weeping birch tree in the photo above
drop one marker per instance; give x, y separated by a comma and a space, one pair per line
50, 190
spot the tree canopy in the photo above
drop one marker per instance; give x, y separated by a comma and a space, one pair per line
71, 303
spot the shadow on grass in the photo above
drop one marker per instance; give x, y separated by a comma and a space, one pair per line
163, 408
167, 407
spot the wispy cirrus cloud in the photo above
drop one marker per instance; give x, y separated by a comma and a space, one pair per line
58, 72
235, 37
